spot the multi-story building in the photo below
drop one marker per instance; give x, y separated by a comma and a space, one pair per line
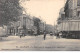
25, 24
72, 9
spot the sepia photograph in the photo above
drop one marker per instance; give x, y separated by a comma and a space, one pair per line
39, 25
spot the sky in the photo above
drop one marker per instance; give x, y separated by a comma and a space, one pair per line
47, 10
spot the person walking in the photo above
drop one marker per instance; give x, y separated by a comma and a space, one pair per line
44, 35
57, 35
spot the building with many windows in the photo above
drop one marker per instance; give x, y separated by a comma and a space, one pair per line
72, 9
25, 25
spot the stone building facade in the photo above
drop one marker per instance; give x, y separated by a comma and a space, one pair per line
72, 9
61, 15
25, 24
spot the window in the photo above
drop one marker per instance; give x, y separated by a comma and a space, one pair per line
78, 13
78, 2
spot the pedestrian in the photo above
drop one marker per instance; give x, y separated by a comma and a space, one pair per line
20, 34
44, 35
57, 35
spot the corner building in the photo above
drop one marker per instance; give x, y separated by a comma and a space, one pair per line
72, 9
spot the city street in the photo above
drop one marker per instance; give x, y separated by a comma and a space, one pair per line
32, 43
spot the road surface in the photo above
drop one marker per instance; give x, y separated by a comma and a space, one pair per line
37, 43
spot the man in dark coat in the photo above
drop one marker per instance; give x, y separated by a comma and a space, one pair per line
57, 35
44, 35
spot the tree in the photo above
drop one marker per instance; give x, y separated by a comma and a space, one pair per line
10, 10
36, 23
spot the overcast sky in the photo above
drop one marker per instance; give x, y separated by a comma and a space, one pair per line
47, 9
